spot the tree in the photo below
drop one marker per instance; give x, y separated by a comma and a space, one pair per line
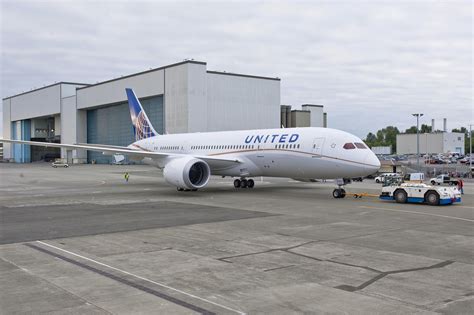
383, 137
424, 129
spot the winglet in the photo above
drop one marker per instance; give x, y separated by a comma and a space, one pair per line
141, 124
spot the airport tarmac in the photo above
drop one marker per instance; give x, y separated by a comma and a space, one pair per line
82, 240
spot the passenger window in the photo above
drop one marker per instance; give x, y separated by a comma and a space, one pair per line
349, 146
360, 145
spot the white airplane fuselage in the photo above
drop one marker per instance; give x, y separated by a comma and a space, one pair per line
293, 152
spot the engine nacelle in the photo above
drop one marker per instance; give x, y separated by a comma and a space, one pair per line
187, 173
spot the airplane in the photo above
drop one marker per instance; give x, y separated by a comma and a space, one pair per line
189, 160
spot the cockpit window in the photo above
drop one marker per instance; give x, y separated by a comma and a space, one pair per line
349, 146
360, 145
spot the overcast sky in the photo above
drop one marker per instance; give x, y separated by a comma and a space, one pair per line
370, 63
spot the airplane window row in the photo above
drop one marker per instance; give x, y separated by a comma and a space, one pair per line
350, 146
287, 146
168, 148
222, 147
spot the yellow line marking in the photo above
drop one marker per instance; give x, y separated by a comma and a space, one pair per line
417, 212
142, 278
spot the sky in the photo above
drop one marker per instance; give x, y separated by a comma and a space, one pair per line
370, 63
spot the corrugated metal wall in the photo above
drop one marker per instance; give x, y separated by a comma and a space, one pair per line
112, 125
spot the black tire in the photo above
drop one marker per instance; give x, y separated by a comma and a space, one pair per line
179, 189
250, 183
244, 183
343, 193
194, 189
377, 181
400, 196
433, 182
336, 193
237, 183
432, 198
65, 166
54, 166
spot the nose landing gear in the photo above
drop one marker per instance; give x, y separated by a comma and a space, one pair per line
340, 192
244, 183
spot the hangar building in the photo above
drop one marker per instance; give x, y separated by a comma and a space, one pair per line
438, 142
178, 98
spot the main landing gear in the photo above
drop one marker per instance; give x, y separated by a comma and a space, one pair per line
244, 183
182, 189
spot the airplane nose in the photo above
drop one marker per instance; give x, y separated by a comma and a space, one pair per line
372, 162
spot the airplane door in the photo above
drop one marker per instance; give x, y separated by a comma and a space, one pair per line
260, 151
317, 148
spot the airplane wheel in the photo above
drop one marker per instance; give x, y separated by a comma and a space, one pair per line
179, 189
400, 196
432, 198
336, 193
244, 183
250, 183
343, 193
237, 183
195, 189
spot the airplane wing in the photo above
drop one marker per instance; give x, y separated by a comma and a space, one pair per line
213, 162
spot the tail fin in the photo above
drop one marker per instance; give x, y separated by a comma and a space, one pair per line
141, 124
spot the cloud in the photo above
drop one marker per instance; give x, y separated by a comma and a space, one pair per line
370, 63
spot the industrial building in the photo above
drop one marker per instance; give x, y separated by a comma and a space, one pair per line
179, 98
382, 150
438, 142
309, 116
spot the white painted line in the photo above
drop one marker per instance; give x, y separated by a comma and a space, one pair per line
416, 212
141, 278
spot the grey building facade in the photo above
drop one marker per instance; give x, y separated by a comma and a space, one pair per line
179, 98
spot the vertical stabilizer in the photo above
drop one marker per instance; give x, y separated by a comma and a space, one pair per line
141, 124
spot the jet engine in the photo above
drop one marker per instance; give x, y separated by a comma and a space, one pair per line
187, 173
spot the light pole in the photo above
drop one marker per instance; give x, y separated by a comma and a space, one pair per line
418, 139
470, 151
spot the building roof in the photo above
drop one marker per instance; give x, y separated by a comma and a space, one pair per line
243, 75
45, 87
314, 105
147, 71
87, 85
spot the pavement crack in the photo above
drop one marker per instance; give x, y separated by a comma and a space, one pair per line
352, 265
438, 265
285, 249
302, 255
386, 273
278, 268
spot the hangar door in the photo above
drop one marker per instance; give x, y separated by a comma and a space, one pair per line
112, 125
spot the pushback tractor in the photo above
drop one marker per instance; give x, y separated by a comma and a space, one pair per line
421, 193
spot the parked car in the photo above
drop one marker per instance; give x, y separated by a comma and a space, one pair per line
443, 179
59, 163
